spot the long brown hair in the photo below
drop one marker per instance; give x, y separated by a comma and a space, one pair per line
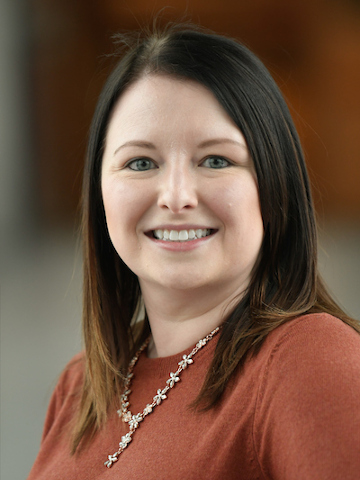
285, 281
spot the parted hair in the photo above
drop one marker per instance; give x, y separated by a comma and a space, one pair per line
285, 282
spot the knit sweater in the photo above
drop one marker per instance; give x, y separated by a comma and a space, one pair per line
292, 413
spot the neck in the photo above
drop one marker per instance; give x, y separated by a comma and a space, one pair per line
179, 319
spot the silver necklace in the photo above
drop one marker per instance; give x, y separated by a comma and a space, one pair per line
135, 420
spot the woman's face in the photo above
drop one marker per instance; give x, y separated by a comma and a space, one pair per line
179, 188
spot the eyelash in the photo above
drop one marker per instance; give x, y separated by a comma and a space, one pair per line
153, 166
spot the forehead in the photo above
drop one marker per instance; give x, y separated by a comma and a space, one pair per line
165, 105
151, 89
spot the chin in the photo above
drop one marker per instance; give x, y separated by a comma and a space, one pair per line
173, 282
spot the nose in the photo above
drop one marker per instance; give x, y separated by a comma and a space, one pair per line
178, 189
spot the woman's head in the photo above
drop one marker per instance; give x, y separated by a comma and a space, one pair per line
248, 94
180, 191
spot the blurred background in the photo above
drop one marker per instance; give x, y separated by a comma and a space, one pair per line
53, 64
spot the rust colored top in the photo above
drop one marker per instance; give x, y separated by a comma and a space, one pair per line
293, 413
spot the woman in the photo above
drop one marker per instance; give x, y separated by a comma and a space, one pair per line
212, 348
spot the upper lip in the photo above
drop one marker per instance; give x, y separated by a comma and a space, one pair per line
181, 227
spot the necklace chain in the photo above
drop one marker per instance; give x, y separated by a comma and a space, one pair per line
135, 420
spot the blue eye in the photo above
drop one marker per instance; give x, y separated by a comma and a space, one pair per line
141, 165
216, 162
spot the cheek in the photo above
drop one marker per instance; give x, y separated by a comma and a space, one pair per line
238, 204
119, 200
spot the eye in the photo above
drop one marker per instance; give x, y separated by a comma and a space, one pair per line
141, 164
215, 162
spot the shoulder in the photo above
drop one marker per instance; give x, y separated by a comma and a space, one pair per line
67, 392
72, 376
323, 322
307, 415
320, 330
312, 345
68, 387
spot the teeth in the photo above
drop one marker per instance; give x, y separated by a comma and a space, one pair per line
174, 235
182, 235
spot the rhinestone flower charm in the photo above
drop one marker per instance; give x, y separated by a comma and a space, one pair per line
135, 420
126, 416
159, 397
173, 379
111, 459
125, 440
148, 409
185, 361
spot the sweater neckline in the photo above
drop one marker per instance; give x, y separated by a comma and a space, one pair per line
163, 365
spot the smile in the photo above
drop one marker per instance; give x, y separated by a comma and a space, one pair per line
182, 235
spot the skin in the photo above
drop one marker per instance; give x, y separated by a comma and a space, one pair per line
174, 159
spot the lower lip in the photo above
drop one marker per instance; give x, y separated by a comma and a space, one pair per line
181, 246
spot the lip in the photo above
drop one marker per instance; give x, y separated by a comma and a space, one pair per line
180, 246
187, 226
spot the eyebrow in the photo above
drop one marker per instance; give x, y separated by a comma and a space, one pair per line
218, 141
136, 143
206, 143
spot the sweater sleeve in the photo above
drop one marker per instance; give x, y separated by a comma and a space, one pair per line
307, 420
